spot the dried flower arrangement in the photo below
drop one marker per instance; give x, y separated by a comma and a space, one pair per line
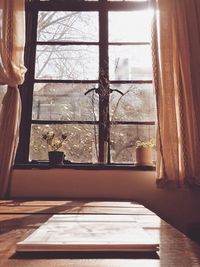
145, 144
54, 142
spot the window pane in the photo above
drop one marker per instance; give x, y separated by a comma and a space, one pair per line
3, 90
130, 26
123, 139
137, 103
80, 145
67, 26
132, 62
67, 62
64, 102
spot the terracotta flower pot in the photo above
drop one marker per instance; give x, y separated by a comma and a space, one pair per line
144, 156
56, 157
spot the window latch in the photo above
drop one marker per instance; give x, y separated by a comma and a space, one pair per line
92, 89
116, 90
97, 91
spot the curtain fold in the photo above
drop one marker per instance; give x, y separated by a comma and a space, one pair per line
176, 65
12, 70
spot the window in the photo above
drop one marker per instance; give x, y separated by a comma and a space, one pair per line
89, 76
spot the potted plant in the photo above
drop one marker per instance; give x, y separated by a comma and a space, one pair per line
54, 144
143, 152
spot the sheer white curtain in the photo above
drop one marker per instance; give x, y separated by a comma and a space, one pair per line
12, 38
176, 63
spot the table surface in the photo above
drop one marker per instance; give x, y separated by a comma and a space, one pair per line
19, 218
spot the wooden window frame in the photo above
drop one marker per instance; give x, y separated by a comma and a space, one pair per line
26, 90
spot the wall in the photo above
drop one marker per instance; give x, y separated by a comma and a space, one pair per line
180, 207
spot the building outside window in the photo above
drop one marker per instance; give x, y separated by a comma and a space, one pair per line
89, 76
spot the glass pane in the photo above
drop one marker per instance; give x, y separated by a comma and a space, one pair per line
67, 26
77, 62
3, 90
130, 26
137, 103
64, 102
123, 139
80, 145
130, 62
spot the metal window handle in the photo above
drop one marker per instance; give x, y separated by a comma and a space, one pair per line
116, 90
97, 91
92, 89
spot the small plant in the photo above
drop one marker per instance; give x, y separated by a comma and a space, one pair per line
53, 142
145, 144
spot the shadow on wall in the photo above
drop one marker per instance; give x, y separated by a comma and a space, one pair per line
179, 207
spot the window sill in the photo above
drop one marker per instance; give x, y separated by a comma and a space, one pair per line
83, 166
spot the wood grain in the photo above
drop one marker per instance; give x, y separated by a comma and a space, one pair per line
175, 248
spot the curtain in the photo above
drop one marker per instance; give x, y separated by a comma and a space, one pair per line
176, 67
12, 70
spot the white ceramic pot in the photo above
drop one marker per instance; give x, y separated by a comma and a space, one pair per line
144, 156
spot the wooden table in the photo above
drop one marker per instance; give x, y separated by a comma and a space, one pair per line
20, 218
